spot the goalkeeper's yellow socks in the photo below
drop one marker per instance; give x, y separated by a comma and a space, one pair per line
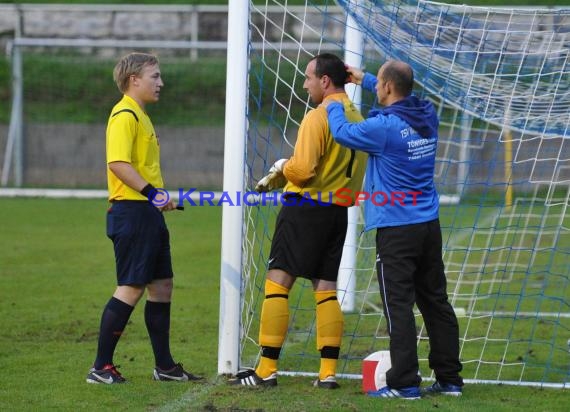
330, 325
328, 364
273, 327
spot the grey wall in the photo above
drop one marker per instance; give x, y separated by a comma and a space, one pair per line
74, 155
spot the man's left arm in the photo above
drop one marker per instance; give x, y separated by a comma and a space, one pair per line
367, 135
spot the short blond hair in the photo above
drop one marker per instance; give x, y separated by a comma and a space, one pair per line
131, 64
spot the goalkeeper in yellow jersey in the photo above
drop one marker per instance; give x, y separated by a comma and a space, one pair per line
310, 228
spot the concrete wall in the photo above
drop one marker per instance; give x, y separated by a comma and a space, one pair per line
74, 156
139, 22
156, 22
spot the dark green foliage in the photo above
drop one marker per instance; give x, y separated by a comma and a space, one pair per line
80, 89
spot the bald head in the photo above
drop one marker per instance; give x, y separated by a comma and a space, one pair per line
400, 75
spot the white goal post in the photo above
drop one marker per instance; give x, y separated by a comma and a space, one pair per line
232, 216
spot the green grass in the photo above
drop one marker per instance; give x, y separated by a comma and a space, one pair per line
57, 273
52, 91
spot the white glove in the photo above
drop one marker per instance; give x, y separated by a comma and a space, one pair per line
278, 166
274, 179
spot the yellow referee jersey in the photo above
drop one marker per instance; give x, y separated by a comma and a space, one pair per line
131, 138
320, 166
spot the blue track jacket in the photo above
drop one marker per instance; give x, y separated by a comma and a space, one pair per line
401, 142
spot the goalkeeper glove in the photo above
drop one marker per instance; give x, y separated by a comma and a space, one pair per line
274, 179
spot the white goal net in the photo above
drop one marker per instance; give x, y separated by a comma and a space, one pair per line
500, 79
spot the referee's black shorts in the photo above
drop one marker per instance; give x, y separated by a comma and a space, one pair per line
308, 240
141, 241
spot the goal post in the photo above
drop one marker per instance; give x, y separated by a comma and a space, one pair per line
232, 215
499, 78
354, 49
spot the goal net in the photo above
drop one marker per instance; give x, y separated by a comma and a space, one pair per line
500, 80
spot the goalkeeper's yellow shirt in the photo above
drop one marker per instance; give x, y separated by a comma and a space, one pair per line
131, 138
320, 166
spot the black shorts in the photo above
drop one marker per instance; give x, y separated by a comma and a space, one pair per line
141, 242
308, 240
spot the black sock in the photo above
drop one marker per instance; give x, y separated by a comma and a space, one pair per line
157, 319
113, 321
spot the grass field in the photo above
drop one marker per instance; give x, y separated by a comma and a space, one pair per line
56, 269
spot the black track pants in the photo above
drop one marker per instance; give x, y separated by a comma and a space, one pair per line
410, 270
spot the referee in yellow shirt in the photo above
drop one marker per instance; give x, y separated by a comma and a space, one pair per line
311, 227
136, 225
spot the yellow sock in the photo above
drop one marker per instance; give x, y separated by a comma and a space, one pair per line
273, 326
330, 325
328, 368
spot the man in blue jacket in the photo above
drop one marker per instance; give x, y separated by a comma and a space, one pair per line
401, 202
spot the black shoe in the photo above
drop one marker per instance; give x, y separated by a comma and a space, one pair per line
175, 374
248, 377
443, 389
328, 383
108, 375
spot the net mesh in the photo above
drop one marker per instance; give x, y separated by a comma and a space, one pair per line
499, 78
